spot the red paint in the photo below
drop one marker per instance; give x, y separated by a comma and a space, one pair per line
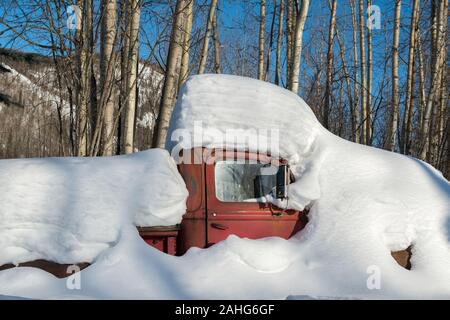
208, 220
162, 238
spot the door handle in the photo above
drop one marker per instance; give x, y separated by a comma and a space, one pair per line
219, 226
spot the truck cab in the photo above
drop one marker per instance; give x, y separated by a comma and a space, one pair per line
228, 195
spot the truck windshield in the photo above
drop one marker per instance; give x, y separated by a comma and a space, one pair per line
244, 182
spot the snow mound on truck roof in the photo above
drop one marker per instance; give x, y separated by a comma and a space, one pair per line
231, 112
364, 202
70, 209
210, 107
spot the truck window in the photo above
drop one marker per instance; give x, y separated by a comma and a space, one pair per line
243, 182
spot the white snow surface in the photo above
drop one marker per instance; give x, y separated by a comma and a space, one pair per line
69, 210
364, 203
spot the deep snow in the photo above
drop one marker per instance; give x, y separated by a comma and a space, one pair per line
364, 203
69, 210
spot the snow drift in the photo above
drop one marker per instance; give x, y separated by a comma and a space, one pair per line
364, 203
69, 210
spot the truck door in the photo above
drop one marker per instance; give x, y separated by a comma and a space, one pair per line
235, 204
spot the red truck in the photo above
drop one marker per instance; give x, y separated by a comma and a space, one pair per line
226, 196
227, 192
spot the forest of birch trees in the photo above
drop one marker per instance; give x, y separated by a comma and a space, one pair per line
374, 72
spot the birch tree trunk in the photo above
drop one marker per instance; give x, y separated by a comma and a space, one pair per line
422, 95
130, 109
124, 75
438, 60
362, 52
369, 79
83, 80
289, 44
216, 41
406, 128
443, 100
299, 27
279, 41
262, 26
107, 68
184, 70
172, 74
355, 120
328, 86
269, 49
204, 54
435, 34
347, 78
443, 85
394, 118
92, 83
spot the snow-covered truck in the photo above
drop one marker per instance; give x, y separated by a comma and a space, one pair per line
210, 184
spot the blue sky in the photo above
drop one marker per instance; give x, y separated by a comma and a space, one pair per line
232, 13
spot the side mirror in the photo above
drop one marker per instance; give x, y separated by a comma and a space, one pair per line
282, 182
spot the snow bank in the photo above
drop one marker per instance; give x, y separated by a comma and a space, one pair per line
70, 209
364, 203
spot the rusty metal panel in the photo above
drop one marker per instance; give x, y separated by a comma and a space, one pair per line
403, 257
193, 227
161, 238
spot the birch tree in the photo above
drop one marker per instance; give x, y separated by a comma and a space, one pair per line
279, 43
107, 70
443, 96
204, 52
363, 74
347, 80
289, 41
298, 45
422, 94
329, 80
184, 69
130, 109
172, 75
269, 47
83, 80
395, 98
438, 61
369, 75
355, 120
262, 26
407, 118
216, 41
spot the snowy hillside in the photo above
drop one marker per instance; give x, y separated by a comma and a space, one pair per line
364, 203
38, 85
35, 114
31, 88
